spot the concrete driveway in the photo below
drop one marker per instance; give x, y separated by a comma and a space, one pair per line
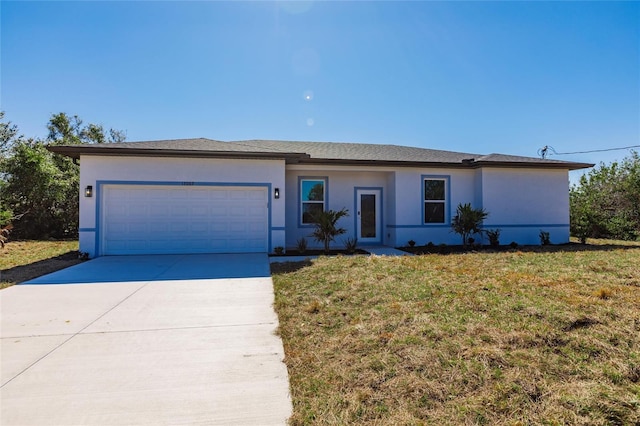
171, 339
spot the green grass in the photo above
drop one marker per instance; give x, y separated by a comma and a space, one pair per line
524, 337
23, 260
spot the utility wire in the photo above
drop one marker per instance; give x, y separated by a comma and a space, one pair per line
544, 151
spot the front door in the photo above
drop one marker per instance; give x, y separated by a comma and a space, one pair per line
369, 220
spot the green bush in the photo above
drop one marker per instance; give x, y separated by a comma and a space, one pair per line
301, 245
545, 238
606, 201
350, 245
494, 237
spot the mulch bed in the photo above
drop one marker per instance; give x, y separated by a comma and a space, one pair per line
319, 253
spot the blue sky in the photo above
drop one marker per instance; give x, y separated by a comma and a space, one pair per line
477, 77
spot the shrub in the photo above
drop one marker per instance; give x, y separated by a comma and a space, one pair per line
513, 245
301, 245
412, 243
605, 202
350, 245
5, 215
545, 239
279, 250
494, 237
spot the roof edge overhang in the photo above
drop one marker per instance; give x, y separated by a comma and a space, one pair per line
76, 151
535, 165
448, 165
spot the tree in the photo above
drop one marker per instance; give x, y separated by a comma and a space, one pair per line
316, 193
8, 134
606, 202
35, 185
325, 226
44, 185
66, 130
467, 221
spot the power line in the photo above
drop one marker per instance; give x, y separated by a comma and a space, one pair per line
549, 150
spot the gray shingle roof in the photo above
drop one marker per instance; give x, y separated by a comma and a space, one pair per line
312, 152
360, 151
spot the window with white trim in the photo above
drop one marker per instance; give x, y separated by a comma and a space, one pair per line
434, 200
312, 198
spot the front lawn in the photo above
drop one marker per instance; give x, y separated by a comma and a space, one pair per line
25, 260
519, 337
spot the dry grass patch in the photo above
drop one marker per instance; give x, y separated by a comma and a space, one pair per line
25, 260
479, 338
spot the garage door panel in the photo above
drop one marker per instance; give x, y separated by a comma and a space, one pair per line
179, 211
138, 219
135, 210
200, 227
254, 227
238, 195
237, 228
200, 211
217, 244
255, 212
198, 194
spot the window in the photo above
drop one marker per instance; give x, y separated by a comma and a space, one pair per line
434, 200
312, 198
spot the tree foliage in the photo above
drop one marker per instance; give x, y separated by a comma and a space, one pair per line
8, 134
467, 221
37, 186
606, 201
325, 226
42, 187
66, 130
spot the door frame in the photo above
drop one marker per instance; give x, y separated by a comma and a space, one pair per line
377, 191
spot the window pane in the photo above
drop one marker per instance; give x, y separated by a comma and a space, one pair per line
312, 190
309, 209
433, 212
433, 189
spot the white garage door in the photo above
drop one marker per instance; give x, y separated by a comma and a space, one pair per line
152, 219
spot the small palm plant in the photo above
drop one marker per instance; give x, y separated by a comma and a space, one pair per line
467, 221
494, 237
325, 223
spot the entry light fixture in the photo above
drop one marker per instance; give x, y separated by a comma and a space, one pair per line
276, 193
88, 191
